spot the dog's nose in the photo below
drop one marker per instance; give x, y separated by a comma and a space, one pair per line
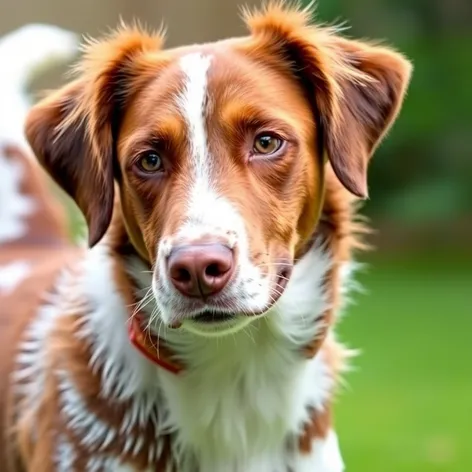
200, 270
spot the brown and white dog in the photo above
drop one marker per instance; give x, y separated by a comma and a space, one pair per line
219, 183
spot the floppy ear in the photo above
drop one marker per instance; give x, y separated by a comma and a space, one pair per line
357, 88
73, 131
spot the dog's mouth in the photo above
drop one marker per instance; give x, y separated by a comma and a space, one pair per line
207, 317
226, 315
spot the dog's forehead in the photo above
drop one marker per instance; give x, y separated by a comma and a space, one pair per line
216, 62
211, 79
225, 70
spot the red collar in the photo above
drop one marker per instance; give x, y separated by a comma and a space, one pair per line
152, 347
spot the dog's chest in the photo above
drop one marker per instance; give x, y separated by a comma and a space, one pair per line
232, 426
242, 405
238, 407
238, 420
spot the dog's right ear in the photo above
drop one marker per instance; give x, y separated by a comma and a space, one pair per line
73, 131
64, 148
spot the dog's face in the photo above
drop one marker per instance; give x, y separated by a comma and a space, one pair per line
219, 163
218, 152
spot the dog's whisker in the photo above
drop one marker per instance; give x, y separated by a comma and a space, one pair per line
141, 306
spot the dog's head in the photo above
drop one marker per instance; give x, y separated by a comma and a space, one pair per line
218, 151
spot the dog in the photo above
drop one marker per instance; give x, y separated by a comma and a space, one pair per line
195, 330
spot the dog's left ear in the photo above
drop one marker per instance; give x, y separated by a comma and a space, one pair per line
356, 88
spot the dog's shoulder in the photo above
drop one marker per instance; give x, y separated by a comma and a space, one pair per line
27, 275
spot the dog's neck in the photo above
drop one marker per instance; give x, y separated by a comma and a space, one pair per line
294, 322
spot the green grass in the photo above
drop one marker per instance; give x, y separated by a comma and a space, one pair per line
408, 404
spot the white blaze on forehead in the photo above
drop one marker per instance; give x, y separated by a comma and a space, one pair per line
207, 211
192, 103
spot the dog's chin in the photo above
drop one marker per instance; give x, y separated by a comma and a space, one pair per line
212, 329
214, 323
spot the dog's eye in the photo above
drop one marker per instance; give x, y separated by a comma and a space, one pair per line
267, 144
150, 162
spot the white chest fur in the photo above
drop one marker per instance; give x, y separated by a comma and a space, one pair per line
240, 414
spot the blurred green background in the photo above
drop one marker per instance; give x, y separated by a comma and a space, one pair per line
407, 406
